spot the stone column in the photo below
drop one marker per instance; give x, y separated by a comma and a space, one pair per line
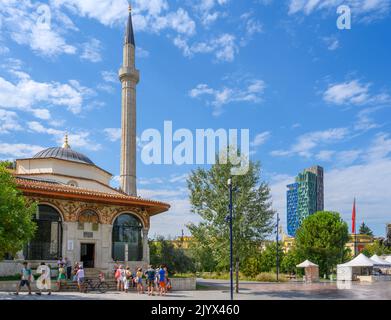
145, 246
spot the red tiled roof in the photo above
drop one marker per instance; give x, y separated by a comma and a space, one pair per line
30, 186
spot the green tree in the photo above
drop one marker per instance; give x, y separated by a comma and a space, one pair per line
209, 197
376, 247
364, 229
321, 239
290, 261
268, 261
16, 225
7, 164
164, 252
252, 266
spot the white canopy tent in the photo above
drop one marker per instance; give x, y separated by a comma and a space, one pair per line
306, 264
388, 259
381, 262
311, 271
359, 266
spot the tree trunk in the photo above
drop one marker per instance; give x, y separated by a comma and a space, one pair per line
237, 275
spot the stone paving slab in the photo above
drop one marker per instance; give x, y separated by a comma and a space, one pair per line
249, 291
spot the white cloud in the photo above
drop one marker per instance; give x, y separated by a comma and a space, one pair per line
209, 10
8, 121
43, 114
76, 140
91, 51
150, 16
368, 182
223, 47
364, 120
325, 155
353, 93
26, 93
19, 150
110, 76
142, 53
251, 27
365, 10
331, 42
307, 142
260, 139
253, 93
113, 134
179, 215
33, 24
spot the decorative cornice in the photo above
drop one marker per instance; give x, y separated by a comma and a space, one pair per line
65, 192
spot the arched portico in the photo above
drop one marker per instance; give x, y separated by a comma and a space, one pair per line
127, 238
47, 241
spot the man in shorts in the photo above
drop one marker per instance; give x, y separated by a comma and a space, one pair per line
162, 281
25, 278
150, 275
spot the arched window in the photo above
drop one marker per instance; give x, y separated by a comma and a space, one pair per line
72, 183
47, 241
127, 234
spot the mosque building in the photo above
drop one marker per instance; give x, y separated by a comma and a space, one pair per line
80, 216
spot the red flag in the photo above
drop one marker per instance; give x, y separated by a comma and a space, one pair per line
354, 217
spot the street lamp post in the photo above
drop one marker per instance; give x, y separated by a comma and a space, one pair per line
277, 255
230, 218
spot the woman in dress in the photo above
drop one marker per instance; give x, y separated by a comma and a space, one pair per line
61, 279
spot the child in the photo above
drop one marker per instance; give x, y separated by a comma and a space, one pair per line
25, 278
139, 281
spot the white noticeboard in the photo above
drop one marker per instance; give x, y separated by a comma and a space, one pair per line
70, 245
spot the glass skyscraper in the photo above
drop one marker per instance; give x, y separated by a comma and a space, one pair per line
304, 197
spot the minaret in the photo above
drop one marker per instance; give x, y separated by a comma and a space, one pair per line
129, 76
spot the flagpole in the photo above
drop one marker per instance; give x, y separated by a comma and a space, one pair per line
355, 231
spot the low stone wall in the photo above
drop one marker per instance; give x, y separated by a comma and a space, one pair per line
183, 284
11, 268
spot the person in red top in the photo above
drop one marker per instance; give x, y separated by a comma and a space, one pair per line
118, 278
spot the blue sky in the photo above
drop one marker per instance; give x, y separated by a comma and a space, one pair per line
309, 92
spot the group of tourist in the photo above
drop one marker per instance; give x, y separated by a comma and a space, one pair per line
44, 279
43, 282
155, 279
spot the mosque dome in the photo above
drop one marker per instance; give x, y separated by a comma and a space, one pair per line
65, 153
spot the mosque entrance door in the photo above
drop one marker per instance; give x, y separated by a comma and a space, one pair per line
87, 255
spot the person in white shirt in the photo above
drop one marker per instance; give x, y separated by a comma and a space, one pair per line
80, 278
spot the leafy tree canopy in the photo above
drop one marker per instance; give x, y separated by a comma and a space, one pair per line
163, 252
364, 229
376, 247
253, 214
16, 225
322, 238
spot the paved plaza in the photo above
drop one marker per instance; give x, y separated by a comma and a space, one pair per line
218, 290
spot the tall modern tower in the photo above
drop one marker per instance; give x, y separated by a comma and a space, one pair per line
304, 197
129, 76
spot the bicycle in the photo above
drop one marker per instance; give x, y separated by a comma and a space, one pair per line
91, 285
